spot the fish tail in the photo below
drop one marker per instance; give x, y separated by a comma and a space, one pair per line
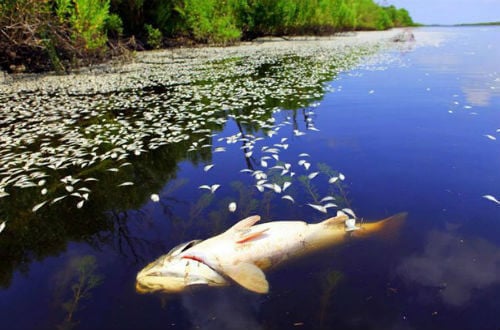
387, 229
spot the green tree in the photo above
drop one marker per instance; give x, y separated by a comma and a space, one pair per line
210, 20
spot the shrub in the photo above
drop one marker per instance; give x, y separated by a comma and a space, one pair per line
154, 36
114, 25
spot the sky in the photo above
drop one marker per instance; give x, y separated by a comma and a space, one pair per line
449, 11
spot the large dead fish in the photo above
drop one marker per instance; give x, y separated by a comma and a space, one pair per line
243, 251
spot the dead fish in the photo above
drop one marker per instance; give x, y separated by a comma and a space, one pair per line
244, 251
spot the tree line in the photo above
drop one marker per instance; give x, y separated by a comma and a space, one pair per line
38, 35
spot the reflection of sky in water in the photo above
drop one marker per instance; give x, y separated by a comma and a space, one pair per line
477, 69
458, 267
222, 309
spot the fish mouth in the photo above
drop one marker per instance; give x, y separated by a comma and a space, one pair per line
172, 275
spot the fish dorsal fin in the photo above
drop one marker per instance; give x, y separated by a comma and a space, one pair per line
248, 275
339, 219
246, 223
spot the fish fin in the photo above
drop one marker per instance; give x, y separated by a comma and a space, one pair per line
248, 236
246, 223
339, 219
249, 276
386, 229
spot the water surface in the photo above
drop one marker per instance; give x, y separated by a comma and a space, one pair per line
412, 128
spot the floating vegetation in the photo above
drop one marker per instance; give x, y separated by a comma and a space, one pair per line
85, 280
63, 133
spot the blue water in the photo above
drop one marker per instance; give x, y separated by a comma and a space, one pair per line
409, 137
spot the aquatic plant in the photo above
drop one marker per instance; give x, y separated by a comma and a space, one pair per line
86, 280
329, 282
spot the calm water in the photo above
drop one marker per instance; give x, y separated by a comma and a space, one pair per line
412, 130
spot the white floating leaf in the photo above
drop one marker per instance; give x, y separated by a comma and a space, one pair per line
57, 199
214, 187
220, 149
277, 188
307, 165
80, 204
349, 212
44, 191
301, 162
248, 154
272, 150
232, 207
333, 179
268, 186
208, 167
328, 205
491, 198
155, 198
320, 208
286, 185
38, 206
290, 198
259, 188
124, 184
2, 226
491, 137
69, 188
304, 155
326, 199
341, 177
312, 175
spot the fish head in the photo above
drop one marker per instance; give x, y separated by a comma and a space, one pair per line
173, 273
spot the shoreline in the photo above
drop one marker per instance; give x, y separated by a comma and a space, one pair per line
111, 76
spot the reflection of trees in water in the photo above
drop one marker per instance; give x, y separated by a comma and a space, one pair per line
80, 278
33, 236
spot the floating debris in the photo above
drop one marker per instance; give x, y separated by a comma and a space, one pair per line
212, 188
80, 204
208, 167
232, 207
491, 137
492, 198
155, 198
38, 206
80, 123
125, 184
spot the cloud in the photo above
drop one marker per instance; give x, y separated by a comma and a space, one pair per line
457, 267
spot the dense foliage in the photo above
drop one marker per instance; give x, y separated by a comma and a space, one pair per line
41, 34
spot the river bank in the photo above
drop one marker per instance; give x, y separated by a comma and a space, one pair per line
181, 62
